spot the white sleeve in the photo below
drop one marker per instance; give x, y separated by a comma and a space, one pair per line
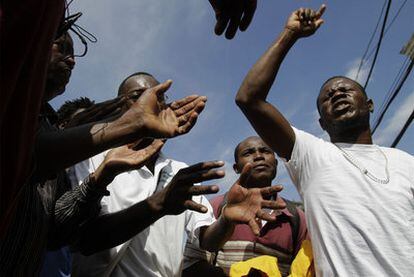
305, 155
195, 220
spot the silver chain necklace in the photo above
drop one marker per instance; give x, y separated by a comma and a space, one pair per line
365, 171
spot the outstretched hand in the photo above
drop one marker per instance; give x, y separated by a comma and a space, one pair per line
177, 196
245, 205
233, 15
125, 158
162, 121
304, 22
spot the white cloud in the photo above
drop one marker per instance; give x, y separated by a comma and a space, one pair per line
396, 122
352, 70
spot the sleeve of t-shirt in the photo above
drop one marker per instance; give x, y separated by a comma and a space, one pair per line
304, 157
195, 220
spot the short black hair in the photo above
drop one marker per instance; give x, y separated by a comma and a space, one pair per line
67, 110
338, 77
236, 151
132, 75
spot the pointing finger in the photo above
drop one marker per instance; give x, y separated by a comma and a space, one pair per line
321, 11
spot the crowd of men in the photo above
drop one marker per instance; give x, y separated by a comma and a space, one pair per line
87, 190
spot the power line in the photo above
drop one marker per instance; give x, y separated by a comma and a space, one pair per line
394, 94
379, 43
396, 80
389, 26
405, 127
370, 41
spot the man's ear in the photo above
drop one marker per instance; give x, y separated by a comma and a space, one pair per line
322, 123
370, 105
236, 169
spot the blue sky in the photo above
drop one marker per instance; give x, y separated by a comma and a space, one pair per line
174, 40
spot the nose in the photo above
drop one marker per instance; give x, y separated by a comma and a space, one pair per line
257, 156
70, 61
336, 94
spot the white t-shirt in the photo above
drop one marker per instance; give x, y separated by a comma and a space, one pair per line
157, 250
358, 227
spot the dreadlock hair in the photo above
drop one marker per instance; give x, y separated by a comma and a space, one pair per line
132, 75
341, 77
69, 108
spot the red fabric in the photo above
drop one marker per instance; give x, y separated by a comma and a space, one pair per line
275, 235
27, 30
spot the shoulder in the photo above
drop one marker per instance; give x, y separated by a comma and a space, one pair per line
398, 153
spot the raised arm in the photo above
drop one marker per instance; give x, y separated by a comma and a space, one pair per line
145, 118
266, 119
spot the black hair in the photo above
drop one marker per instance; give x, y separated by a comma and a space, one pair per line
339, 77
132, 75
67, 110
236, 151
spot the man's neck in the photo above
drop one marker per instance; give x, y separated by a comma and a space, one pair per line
353, 136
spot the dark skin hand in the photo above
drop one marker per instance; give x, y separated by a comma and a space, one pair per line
268, 122
145, 118
244, 206
108, 109
124, 158
105, 232
232, 15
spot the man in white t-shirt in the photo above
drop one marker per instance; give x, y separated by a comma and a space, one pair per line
358, 196
151, 211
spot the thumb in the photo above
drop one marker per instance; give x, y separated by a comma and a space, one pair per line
318, 23
160, 89
245, 174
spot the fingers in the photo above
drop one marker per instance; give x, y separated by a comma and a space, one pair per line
270, 191
202, 189
233, 15
274, 205
154, 147
254, 227
308, 16
234, 22
202, 166
191, 205
266, 216
249, 10
188, 123
184, 106
245, 174
205, 175
320, 12
184, 101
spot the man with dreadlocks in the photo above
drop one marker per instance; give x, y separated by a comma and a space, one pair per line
27, 35
40, 218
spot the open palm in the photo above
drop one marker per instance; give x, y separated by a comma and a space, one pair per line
245, 205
